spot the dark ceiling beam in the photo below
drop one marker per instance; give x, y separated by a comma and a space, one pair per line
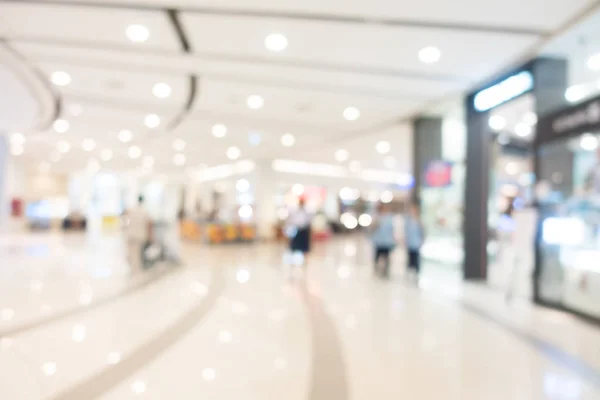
305, 16
186, 48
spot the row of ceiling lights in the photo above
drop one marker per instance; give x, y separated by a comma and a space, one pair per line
522, 129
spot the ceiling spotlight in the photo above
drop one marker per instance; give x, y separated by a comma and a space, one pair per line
148, 162
523, 130
161, 90
179, 159
106, 155
288, 140
341, 155
233, 153
574, 94
530, 118
387, 196
152, 121
497, 123
219, 130
61, 125
255, 102
242, 185
60, 78
88, 144
389, 162
134, 152
383, 147
17, 139
276, 42
125, 135
588, 142
351, 113
179, 145
430, 54
63, 146
137, 33
593, 62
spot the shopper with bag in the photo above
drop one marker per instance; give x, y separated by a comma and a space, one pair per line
139, 235
383, 236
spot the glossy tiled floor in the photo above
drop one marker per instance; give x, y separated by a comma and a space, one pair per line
234, 324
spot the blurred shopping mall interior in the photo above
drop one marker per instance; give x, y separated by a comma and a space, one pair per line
318, 200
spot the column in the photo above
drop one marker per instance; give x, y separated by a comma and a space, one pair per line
427, 147
264, 185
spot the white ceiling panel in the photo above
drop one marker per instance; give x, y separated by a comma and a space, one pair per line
356, 45
533, 14
89, 25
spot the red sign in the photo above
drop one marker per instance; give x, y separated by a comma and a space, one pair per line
438, 174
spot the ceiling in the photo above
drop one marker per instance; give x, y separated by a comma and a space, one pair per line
340, 53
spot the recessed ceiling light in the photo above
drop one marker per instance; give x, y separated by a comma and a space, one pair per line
125, 135
137, 33
106, 155
134, 152
161, 90
148, 162
522, 129
209, 374
17, 139
497, 123
430, 54
255, 102
341, 155
152, 121
242, 185
233, 153
588, 142
530, 118
179, 145
219, 130
389, 162
288, 140
387, 196
179, 159
61, 125
383, 147
138, 387
593, 62
276, 42
88, 144
351, 113
63, 146
60, 78
574, 93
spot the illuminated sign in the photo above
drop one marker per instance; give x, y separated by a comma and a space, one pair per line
508, 89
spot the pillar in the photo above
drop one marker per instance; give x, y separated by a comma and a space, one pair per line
427, 147
264, 186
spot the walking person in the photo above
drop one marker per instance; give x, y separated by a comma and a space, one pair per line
299, 231
414, 236
139, 233
383, 236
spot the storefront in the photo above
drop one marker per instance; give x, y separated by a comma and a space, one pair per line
568, 244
